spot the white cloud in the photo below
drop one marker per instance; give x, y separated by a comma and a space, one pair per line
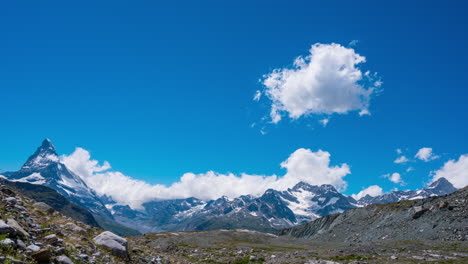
257, 95
324, 122
409, 169
401, 159
353, 42
455, 171
327, 81
302, 165
426, 154
398, 151
394, 177
373, 190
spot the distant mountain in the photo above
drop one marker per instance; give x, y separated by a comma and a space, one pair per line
433, 218
271, 211
440, 187
44, 168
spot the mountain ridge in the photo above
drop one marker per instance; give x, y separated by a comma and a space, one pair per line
271, 211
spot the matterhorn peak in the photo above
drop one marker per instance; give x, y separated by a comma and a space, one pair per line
44, 155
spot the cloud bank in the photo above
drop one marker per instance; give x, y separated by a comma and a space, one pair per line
302, 165
455, 171
327, 81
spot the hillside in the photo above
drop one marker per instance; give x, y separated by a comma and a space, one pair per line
435, 218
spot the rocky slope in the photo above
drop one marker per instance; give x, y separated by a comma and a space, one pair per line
434, 218
33, 232
54, 199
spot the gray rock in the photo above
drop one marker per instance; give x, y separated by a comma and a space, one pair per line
20, 244
51, 239
33, 248
418, 211
6, 229
113, 242
7, 242
60, 251
44, 207
64, 260
19, 230
74, 228
10, 200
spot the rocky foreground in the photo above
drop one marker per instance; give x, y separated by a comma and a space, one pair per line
33, 232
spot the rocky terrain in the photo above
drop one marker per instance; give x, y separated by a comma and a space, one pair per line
34, 232
435, 218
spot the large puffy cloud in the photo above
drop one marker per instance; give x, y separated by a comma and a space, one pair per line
302, 165
325, 82
373, 190
426, 154
456, 171
313, 167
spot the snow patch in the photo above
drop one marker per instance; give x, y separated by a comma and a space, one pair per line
35, 178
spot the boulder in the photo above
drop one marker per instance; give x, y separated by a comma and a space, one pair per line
116, 244
20, 244
74, 228
51, 239
44, 207
64, 260
19, 230
33, 248
7, 242
418, 211
42, 256
6, 229
10, 200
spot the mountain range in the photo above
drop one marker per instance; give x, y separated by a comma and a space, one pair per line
269, 212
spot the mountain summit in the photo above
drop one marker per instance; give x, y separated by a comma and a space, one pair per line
44, 156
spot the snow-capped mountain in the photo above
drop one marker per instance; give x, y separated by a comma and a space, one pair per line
271, 211
440, 187
45, 168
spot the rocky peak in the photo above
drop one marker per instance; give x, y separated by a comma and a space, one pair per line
324, 188
45, 155
441, 186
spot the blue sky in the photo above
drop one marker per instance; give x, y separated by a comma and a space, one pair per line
161, 89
